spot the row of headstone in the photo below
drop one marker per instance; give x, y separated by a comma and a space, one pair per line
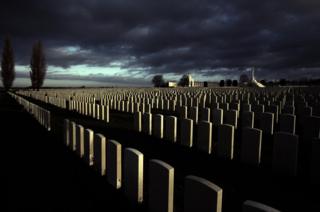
108, 154
165, 127
204, 140
105, 155
267, 120
285, 144
57, 101
214, 115
40, 114
267, 123
285, 151
97, 111
149, 96
190, 97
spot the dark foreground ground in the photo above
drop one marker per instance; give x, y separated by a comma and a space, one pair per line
42, 174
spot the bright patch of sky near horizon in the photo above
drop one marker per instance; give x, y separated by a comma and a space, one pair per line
90, 76
95, 76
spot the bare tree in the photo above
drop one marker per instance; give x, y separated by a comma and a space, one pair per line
229, 82
38, 66
7, 64
235, 83
221, 84
158, 81
184, 80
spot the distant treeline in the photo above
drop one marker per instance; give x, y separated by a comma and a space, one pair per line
299, 82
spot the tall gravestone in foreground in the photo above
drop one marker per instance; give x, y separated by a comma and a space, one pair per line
251, 146
157, 125
186, 132
100, 147
161, 186
201, 195
204, 138
285, 154
137, 121
114, 163
171, 128
133, 174
88, 146
80, 140
147, 123
66, 132
224, 146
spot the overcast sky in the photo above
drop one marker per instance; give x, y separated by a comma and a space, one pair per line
126, 42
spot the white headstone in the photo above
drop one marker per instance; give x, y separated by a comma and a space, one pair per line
289, 110
100, 147
80, 140
194, 114
251, 146
147, 123
161, 186
66, 134
137, 121
205, 114
258, 110
131, 107
97, 111
106, 113
88, 146
231, 118
136, 107
186, 132
275, 110
93, 110
114, 163
183, 112
224, 146
201, 195
89, 109
102, 112
247, 119
217, 117
157, 126
142, 108
204, 140
246, 108
235, 106
287, 123
214, 105
224, 106
73, 135
267, 123
133, 174
285, 153
171, 128
148, 108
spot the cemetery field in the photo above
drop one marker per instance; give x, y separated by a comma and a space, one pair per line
135, 149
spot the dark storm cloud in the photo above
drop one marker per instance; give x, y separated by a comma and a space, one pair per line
209, 37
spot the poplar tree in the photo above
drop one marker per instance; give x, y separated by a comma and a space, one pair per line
7, 65
38, 66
